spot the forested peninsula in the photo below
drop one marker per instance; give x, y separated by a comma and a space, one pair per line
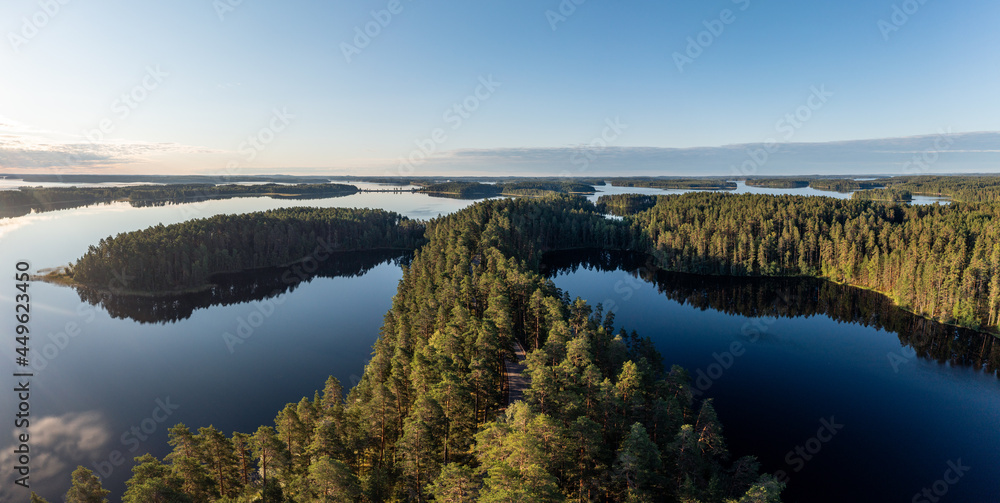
603, 418
183, 257
15, 203
524, 188
939, 261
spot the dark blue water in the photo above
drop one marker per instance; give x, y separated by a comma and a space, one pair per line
228, 361
128, 354
847, 397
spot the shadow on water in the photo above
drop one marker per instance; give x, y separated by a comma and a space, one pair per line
793, 298
238, 288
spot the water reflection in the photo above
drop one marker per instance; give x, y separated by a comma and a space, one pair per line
17, 204
796, 297
237, 288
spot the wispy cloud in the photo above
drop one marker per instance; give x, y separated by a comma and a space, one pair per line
966, 152
23, 147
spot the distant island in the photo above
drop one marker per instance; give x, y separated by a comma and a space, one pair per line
526, 188
15, 203
778, 183
675, 183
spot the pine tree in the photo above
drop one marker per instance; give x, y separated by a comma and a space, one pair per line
86, 488
333, 481
455, 484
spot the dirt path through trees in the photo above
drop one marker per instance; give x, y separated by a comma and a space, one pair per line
517, 382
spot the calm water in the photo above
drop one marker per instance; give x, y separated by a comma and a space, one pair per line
131, 356
742, 188
911, 395
91, 388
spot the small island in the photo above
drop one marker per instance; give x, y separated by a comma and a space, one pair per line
182, 258
778, 183
675, 183
527, 188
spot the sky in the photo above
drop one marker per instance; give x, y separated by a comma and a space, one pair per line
499, 87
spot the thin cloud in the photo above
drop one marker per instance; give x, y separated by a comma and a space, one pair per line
958, 152
24, 148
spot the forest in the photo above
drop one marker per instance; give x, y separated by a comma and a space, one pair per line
939, 261
970, 189
15, 203
675, 183
165, 179
845, 184
625, 204
525, 188
183, 257
604, 419
893, 194
778, 183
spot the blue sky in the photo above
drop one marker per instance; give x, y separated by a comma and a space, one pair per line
253, 86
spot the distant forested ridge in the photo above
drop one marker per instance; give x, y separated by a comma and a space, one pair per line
675, 183
603, 420
960, 188
891, 194
541, 187
464, 189
778, 183
184, 256
845, 184
14, 203
530, 188
938, 261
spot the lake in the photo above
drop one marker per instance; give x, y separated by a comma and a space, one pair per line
850, 398
108, 365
